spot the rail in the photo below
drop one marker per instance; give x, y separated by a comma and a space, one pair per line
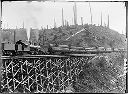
41, 56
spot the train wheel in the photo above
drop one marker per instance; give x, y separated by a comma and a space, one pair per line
12, 53
32, 52
29, 53
3, 52
62, 53
9, 53
19, 53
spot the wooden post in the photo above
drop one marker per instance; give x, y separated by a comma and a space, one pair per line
47, 26
108, 21
82, 21
72, 21
126, 5
0, 49
90, 12
74, 15
23, 25
65, 23
101, 19
62, 18
14, 36
54, 23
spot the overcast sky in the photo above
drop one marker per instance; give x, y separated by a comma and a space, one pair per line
37, 14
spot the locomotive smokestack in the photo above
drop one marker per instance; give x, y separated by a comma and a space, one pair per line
28, 33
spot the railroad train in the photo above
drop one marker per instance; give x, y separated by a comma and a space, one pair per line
21, 48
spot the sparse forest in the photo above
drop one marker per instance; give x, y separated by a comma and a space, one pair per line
92, 36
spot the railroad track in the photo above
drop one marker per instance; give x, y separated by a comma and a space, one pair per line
40, 56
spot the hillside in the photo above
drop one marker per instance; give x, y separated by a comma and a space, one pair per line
101, 74
90, 37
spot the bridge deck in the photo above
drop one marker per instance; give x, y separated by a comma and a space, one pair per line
88, 51
41, 56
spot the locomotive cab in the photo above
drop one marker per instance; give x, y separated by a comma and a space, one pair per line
21, 48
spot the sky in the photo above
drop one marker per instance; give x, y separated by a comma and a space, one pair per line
40, 14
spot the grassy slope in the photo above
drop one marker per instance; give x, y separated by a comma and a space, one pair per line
95, 36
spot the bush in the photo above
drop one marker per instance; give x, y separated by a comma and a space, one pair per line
99, 76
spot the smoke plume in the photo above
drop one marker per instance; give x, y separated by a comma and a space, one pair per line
30, 14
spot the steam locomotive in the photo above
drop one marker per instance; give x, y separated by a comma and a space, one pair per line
20, 48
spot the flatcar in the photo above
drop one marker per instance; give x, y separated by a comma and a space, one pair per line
63, 46
109, 49
116, 49
121, 49
101, 49
34, 49
21, 48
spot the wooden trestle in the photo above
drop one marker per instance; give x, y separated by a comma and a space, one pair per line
41, 73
